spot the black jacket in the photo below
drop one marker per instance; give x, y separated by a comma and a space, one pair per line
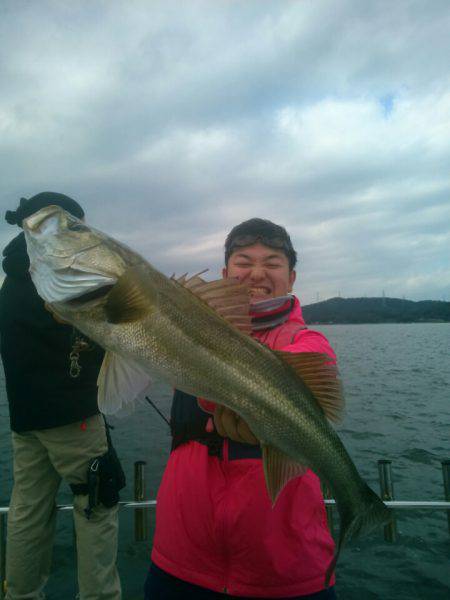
188, 422
35, 354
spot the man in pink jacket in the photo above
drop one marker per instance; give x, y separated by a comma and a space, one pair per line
217, 534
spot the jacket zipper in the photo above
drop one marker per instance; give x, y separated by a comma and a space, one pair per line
225, 460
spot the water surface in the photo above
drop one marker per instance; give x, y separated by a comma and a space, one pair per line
397, 384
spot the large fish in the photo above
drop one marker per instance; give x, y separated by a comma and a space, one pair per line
194, 335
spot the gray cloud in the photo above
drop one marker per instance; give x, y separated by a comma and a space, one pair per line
171, 122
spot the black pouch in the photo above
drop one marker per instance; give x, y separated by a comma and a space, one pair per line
111, 477
105, 478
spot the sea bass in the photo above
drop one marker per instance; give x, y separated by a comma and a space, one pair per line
194, 335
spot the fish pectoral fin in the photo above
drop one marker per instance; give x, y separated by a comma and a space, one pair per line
120, 382
228, 297
130, 299
321, 375
278, 470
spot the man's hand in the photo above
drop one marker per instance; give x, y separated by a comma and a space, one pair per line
229, 424
55, 316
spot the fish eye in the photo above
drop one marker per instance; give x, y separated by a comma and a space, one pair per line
76, 227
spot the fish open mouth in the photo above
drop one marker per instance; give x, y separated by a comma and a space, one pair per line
96, 294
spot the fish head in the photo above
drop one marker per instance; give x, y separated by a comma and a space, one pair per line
72, 265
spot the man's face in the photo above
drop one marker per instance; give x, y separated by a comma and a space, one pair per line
265, 270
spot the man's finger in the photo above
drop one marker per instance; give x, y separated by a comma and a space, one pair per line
245, 433
218, 420
54, 315
229, 424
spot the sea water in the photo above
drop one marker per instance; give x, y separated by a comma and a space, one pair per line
397, 386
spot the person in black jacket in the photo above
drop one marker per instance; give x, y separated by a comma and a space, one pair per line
51, 373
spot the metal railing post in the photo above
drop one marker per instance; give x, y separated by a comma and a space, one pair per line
387, 493
140, 514
2, 555
446, 476
328, 507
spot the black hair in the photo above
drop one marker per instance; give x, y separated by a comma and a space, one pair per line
264, 231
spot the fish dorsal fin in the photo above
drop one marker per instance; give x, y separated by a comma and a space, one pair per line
228, 297
319, 373
120, 382
278, 470
192, 281
130, 299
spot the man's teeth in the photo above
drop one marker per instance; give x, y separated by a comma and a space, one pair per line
258, 290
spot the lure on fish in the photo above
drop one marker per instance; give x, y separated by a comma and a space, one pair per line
194, 335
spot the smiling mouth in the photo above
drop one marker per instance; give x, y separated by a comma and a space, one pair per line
259, 291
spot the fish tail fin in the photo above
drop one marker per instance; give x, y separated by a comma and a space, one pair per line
365, 516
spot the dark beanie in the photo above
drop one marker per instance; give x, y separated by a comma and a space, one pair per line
35, 203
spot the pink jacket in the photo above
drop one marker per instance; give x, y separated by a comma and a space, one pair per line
215, 526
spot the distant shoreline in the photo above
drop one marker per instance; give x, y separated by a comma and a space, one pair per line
372, 311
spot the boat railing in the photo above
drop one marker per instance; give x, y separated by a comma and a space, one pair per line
141, 507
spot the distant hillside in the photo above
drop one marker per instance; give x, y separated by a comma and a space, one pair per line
376, 310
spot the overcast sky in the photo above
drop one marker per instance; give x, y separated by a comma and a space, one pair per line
170, 122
